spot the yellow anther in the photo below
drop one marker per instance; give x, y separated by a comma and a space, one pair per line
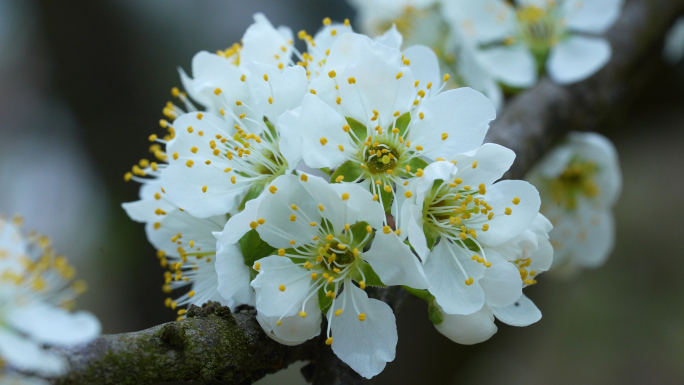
445, 136
270, 100
516, 200
508, 211
351, 80
329, 341
419, 173
242, 78
332, 74
490, 216
293, 218
272, 189
253, 225
421, 115
419, 148
339, 178
326, 21
386, 229
314, 276
302, 314
200, 116
204, 189
233, 180
265, 77
279, 322
446, 77
257, 266
338, 312
261, 221
362, 317
340, 147
338, 100
467, 188
312, 91
469, 281
303, 177
323, 141
294, 207
281, 252
217, 91
152, 137
399, 75
281, 288
345, 196
408, 194
191, 294
362, 285
189, 163
485, 227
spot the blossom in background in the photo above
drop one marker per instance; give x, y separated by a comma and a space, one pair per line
319, 236
37, 290
519, 40
378, 116
579, 182
422, 23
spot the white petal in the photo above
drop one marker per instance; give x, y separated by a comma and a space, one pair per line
521, 313
360, 205
232, 274
484, 21
504, 227
512, 65
424, 65
577, 58
144, 209
595, 239
285, 88
261, 42
391, 38
274, 272
394, 262
492, 159
290, 138
411, 223
317, 123
238, 225
464, 114
276, 209
447, 281
501, 283
28, 355
468, 329
597, 148
366, 346
477, 77
210, 72
294, 330
54, 326
594, 16
199, 230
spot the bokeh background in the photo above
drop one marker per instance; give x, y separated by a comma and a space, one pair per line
82, 85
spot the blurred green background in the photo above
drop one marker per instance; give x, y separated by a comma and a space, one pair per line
82, 85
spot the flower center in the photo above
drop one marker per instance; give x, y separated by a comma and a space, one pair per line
380, 157
539, 28
577, 180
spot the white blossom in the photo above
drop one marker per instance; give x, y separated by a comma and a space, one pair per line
319, 234
560, 36
36, 289
579, 182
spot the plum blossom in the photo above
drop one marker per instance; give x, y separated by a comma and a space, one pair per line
37, 291
560, 36
579, 182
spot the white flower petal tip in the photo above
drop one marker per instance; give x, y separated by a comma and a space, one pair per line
468, 329
522, 312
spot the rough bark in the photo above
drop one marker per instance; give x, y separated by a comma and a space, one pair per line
213, 346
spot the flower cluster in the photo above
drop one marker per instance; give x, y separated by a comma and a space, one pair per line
37, 291
293, 181
579, 181
490, 41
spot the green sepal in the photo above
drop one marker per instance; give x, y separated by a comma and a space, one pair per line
254, 248
350, 170
359, 232
324, 302
372, 278
415, 164
403, 123
434, 314
422, 294
387, 198
358, 129
430, 236
471, 245
271, 128
252, 193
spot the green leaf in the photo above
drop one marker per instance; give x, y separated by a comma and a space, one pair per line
372, 278
253, 192
434, 314
422, 294
358, 129
254, 248
359, 232
403, 123
430, 235
350, 170
324, 302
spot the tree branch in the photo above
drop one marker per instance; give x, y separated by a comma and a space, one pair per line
214, 346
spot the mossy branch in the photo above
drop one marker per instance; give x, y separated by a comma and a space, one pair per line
213, 346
